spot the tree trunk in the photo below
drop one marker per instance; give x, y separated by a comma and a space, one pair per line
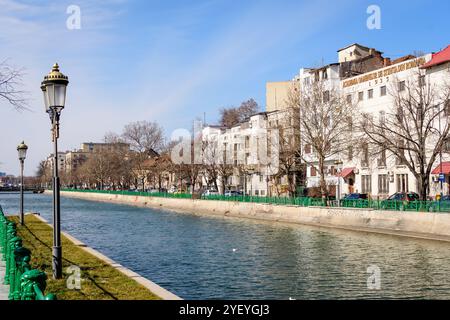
424, 185
323, 184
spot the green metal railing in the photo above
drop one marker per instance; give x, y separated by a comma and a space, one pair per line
395, 205
24, 283
429, 206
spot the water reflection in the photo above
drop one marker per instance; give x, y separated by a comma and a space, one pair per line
215, 258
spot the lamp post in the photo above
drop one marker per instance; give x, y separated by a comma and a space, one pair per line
54, 90
339, 164
22, 150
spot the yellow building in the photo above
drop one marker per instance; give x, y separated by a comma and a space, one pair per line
277, 94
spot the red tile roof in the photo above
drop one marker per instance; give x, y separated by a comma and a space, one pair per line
445, 168
438, 58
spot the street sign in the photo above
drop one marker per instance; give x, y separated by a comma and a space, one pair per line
441, 177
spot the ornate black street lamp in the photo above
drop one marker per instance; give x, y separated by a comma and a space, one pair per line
54, 89
22, 150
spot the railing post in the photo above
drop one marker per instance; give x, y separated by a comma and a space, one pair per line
10, 233
13, 243
33, 284
22, 260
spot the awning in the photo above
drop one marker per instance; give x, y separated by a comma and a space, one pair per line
438, 58
445, 168
346, 172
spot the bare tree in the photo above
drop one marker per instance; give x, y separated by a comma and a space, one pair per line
43, 173
11, 79
231, 116
146, 140
210, 158
287, 147
144, 136
409, 129
325, 125
247, 109
112, 137
99, 167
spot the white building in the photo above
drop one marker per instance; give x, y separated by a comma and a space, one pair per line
363, 76
370, 91
238, 149
61, 161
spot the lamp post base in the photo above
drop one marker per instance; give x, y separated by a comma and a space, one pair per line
57, 262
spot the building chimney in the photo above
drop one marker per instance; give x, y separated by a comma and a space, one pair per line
387, 62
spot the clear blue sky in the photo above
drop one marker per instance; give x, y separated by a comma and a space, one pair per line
171, 61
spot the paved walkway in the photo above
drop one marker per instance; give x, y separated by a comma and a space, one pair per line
4, 290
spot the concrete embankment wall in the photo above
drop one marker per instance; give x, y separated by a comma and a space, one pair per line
434, 226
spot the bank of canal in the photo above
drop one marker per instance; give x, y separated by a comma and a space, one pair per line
199, 257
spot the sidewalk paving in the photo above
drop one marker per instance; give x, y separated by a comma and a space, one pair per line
4, 290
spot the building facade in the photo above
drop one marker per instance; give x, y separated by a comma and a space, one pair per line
382, 175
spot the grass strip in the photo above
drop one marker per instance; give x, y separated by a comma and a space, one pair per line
99, 280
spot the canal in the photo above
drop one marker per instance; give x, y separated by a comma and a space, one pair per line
226, 258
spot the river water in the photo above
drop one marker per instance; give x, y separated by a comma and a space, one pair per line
226, 258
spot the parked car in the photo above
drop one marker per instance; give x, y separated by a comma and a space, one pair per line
400, 201
233, 193
173, 189
353, 199
207, 193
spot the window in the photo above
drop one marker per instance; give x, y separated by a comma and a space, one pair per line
333, 171
365, 155
349, 98
361, 96
383, 91
401, 86
313, 171
261, 178
382, 159
350, 153
421, 81
446, 146
370, 94
399, 114
326, 96
400, 160
247, 141
306, 81
324, 74
350, 123
447, 108
316, 77
402, 183
308, 148
382, 117
383, 184
366, 184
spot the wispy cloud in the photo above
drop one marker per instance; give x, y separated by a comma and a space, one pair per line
159, 64
251, 34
